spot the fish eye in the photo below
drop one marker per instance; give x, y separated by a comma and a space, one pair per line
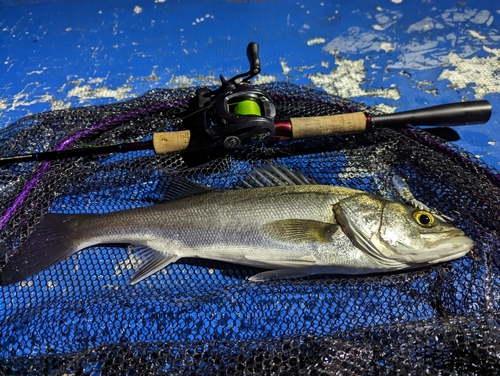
423, 218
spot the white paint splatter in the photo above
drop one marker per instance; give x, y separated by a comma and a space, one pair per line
285, 67
96, 80
185, 81
264, 79
20, 100
312, 42
483, 17
386, 19
55, 104
81, 89
457, 15
415, 55
480, 74
386, 46
137, 9
426, 24
345, 81
153, 76
201, 19
160, 1
385, 108
476, 34
357, 41
423, 51
36, 71
383, 18
397, 1
86, 92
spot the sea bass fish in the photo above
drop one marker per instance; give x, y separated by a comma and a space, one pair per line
294, 228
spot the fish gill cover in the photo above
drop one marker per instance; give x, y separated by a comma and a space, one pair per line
197, 316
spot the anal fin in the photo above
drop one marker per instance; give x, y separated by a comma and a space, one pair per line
285, 262
305, 271
150, 262
288, 273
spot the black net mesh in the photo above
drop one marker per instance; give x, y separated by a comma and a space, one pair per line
197, 316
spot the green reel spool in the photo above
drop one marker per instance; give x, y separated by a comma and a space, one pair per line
247, 107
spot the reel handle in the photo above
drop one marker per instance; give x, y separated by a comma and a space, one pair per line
253, 59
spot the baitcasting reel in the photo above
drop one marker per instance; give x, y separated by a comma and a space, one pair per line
236, 114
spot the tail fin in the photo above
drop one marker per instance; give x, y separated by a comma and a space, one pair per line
48, 244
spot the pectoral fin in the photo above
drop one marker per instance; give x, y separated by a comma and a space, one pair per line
150, 262
300, 230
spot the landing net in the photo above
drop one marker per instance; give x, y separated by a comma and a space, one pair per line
82, 317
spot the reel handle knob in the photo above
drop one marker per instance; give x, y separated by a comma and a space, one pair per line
253, 59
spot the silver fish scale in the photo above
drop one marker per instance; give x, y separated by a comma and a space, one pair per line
227, 225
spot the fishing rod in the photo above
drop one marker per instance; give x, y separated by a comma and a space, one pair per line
238, 115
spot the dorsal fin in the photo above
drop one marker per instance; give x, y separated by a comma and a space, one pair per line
180, 187
269, 175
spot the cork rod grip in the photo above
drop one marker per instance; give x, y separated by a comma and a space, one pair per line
328, 125
170, 142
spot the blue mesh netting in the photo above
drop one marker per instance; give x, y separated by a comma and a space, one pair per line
196, 316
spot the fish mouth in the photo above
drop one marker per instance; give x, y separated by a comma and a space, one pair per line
441, 247
435, 248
